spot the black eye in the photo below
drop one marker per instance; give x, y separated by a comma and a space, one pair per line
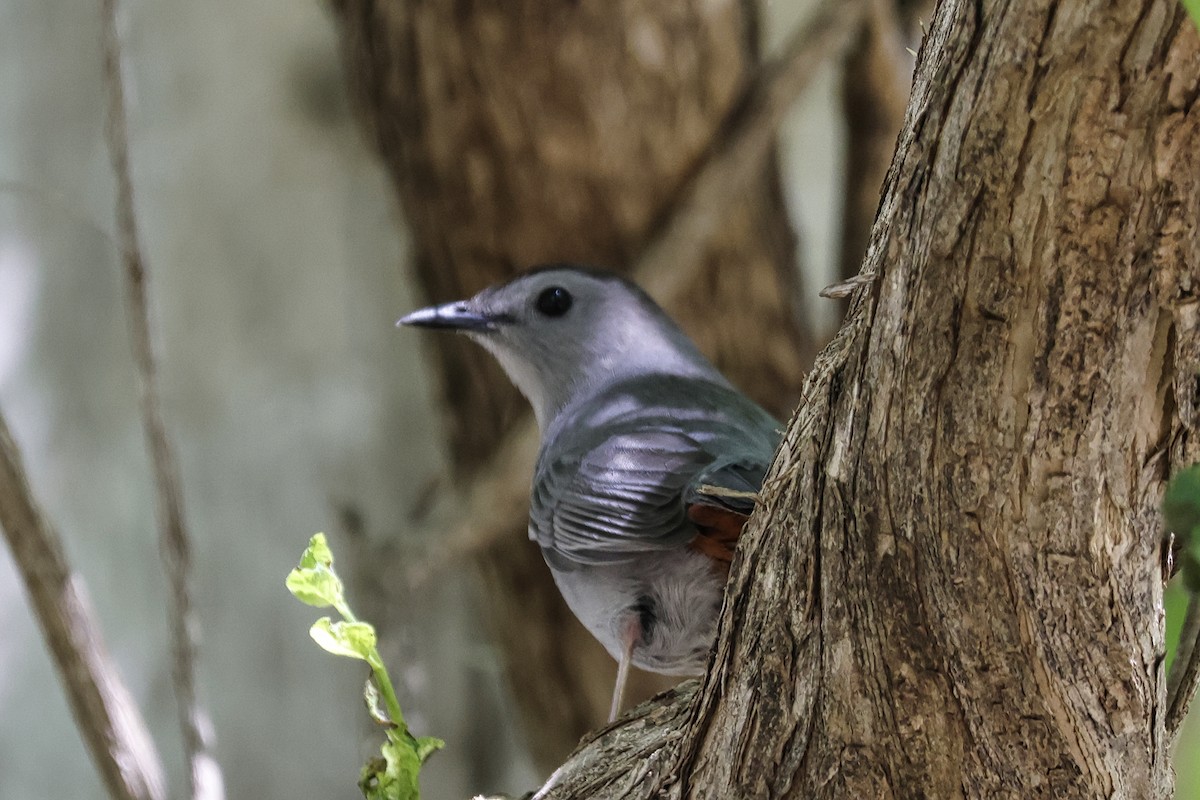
554, 302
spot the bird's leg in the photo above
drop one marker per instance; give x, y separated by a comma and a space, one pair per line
631, 632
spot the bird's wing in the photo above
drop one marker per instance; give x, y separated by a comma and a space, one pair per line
719, 501
638, 491
613, 501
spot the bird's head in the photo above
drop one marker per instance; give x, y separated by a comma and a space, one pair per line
562, 330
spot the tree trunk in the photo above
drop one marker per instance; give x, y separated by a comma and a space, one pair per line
953, 585
532, 131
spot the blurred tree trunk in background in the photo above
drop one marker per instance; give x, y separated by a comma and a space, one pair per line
523, 132
875, 88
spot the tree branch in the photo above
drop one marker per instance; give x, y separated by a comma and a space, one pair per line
108, 719
1185, 671
174, 543
738, 154
500, 493
875, 89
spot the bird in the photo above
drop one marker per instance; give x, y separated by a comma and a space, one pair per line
650, 460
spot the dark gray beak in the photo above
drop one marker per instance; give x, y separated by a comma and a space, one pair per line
456, 316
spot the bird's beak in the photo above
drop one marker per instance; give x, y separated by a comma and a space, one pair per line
457, 316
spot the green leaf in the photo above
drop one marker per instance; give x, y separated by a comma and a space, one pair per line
1190, 545
403, 764
317, 553
350, 639
1181, 503
394, 777
1193, 8
1181, 514
1189, 567
1175, 600
316, 586
368, 779
427, 746
314, 582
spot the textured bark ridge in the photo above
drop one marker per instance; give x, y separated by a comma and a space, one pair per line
530, 131
953, 586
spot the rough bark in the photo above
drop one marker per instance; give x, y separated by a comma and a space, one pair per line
953, 587
524, 132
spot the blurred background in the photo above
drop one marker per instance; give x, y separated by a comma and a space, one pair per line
282, 246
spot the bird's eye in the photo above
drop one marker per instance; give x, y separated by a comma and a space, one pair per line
554, 302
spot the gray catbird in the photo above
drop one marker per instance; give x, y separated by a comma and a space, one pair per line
649, 464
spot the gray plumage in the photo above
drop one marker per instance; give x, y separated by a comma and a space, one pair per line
635, 424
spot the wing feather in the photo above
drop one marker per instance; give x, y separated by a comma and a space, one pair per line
611, 488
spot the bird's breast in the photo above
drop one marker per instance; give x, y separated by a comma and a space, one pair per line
675, 595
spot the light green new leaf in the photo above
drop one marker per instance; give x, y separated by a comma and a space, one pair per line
316, 586
368, 779
395, 777
314, 581
403, 764
317, 553
427, 746
350, 639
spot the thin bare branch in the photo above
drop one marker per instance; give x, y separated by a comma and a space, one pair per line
173, 536
670, 261
875, 88
104, 711
499, 495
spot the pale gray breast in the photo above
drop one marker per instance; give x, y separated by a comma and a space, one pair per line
678, 591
